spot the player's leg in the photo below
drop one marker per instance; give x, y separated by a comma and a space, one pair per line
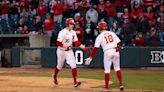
54, 75
116, 64
107, 69
60, 63
71, 59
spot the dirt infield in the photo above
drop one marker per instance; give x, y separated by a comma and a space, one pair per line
29, 80
17, 80
44, 84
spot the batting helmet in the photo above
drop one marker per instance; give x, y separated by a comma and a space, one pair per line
69, 21
102, 25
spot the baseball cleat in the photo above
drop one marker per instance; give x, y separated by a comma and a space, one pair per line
121, 87
77, 84
105, 90
54, 79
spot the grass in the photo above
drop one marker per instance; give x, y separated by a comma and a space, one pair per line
133, 79
144, 79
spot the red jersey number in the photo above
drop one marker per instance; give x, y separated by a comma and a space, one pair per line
108, 39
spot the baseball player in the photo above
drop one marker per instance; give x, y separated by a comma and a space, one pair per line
65, 40
110, 44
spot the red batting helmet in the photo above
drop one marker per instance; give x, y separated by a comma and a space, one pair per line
102, 25
69, 21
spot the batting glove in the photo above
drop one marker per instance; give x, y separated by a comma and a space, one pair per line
88, 61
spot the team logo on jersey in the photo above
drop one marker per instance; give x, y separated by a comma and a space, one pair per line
157, 56
73, 37
66, 40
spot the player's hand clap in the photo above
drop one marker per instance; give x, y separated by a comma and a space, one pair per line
88, 61
86, 49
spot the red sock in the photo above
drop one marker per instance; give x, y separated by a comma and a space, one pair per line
119, 76
107, 78
74, 74
56, 70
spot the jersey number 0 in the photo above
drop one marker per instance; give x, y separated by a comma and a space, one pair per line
108, 39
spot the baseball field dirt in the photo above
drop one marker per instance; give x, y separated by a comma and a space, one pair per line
25, 80
39, 80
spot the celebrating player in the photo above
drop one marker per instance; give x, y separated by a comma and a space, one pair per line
64, 42
110, 45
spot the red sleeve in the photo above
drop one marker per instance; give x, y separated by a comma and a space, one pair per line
77, 43
59, 44
94, 52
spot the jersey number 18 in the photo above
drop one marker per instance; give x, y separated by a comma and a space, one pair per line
108, 39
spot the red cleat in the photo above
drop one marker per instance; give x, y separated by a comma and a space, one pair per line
54, 79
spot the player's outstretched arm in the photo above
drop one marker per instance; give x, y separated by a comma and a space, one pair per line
79, 44
89, 59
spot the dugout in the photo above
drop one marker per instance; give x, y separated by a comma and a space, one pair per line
13, 57
8, 41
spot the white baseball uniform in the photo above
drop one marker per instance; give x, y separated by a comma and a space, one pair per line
108, 41
67, 38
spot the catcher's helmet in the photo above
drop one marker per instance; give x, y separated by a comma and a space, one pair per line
102, 26
69, 21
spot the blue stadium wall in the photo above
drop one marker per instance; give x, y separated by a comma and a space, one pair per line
131, 57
